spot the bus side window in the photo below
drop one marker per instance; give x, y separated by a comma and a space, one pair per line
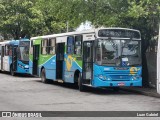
78, 45
70, 45
44, 47
10, 50
6, 50
51, 46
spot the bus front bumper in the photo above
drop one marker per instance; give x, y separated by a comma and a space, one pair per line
23, 70
104, 83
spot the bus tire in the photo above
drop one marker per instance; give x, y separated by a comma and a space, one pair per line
11, 71
43, 76
80, 84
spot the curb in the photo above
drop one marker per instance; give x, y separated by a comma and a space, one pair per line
141, 92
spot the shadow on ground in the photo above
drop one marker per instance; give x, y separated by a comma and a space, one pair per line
101, 91
18, 74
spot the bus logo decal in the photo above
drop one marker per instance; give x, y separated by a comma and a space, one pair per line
69, 61
133, 70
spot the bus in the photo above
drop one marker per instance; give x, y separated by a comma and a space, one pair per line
103, 57
14, 56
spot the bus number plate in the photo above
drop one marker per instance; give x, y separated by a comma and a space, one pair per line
121, 84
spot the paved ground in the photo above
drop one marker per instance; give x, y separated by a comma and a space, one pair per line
24, 93
143, 90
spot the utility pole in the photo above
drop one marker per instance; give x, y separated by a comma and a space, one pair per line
158, 63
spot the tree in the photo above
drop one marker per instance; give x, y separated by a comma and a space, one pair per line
146, 18
19, 18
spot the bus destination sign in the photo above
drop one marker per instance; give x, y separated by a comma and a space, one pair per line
119, 33
24, 43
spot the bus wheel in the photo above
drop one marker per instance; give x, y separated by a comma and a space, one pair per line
43, 76
11, 71
80, 84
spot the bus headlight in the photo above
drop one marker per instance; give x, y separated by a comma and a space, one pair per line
104, 77
21, 66
101, 77
26, 66
135, 77
108, 78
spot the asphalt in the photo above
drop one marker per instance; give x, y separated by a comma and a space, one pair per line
148, 91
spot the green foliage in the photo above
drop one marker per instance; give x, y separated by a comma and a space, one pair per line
40, 17
145, 15
17, 17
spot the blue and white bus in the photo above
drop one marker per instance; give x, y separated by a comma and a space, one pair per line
14, 56
105, 57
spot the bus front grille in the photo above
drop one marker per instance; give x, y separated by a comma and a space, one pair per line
120, 77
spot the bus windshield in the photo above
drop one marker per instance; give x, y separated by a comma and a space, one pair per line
24, 51
118, 52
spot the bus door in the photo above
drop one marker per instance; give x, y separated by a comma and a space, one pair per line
2, 55
87, 70
14, 58
36, 49
59, 60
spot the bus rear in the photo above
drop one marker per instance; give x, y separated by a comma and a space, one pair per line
117, 60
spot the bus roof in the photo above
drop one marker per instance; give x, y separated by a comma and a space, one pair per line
13, 42
16, 42
81, 32
4, 42
63, 34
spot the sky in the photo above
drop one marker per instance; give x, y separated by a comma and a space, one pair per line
85, 26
